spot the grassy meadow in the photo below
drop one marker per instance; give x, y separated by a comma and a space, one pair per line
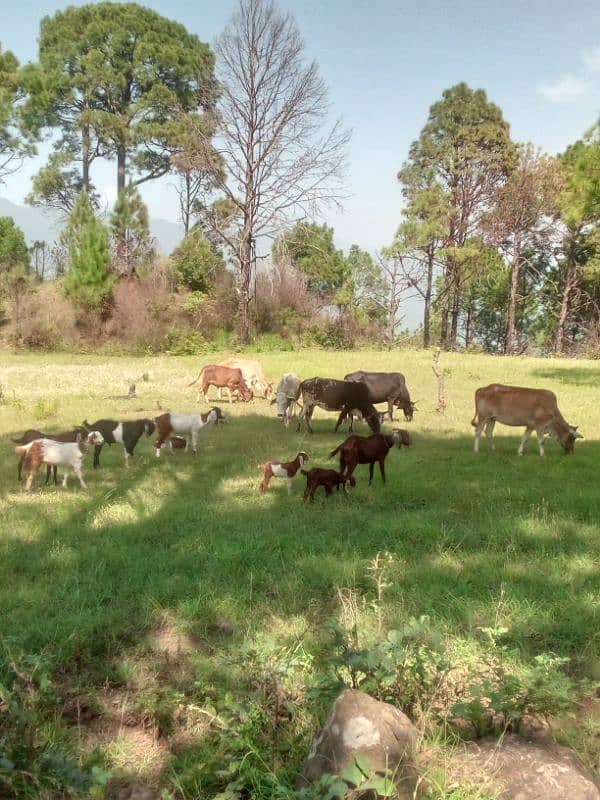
163, 597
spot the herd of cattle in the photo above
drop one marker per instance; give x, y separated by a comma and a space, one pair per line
356, 396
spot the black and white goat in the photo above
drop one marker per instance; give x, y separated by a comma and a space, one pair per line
127, 433
48, 451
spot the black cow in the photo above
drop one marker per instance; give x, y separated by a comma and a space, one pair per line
333, 395
126, 433
386, 387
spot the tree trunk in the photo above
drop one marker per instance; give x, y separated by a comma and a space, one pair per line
455, 312
121, 163
468, 326
245, 276
511, 322
187, 204
427, 308
85, 169
565, 306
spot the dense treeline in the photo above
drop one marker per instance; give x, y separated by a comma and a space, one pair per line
497, 240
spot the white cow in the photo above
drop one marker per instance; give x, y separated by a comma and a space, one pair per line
252, 373
286, 396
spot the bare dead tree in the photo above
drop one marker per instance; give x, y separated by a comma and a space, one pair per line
391, 300
439, 374
283, 159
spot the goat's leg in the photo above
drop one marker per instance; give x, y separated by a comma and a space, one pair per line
77, 471
371, 465
20, 468
97, 451
159, 443
382, 468
29, 481
289, 485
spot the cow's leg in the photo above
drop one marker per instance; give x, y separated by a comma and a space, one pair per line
65, 478
489, 431
478, 429
205, 387
49, 474
540, 437
229, 393
382, 468
371, 465
524, 440
391, 408
305, 414
341, 418
194, 439
219, 392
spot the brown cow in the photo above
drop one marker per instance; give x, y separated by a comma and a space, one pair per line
252, 373
223, 377
536, 409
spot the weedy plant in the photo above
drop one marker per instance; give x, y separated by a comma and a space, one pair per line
508, 692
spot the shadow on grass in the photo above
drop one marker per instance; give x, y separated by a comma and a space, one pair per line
479, 541
578, 376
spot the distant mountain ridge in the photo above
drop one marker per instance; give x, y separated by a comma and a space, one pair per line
45, 225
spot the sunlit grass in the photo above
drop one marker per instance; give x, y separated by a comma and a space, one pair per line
478, 541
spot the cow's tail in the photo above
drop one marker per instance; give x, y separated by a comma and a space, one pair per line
474, 421
198, 378
334, 452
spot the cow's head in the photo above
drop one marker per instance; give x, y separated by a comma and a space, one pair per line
567, 438
283, 401
245, 393
408, 407
268, 387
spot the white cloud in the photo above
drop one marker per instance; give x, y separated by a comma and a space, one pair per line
567, 88
591, 59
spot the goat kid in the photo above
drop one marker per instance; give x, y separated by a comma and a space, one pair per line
30, 436
127, 433
282, 469
368, 450
328, 478
187, 425
48, 451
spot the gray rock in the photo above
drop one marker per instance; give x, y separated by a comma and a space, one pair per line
376, 733
520, 770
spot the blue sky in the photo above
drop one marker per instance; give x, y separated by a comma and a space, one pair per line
385, 63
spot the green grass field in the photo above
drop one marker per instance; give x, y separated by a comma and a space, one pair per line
163, 586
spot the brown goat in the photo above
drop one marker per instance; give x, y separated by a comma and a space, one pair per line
281, 469
368, 450
328, 478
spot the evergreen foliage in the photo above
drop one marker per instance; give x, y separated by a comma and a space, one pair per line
88, 281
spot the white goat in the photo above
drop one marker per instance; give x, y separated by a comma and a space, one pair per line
48, 451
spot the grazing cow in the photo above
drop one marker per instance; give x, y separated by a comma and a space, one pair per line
328, 478
333, 395
536, 409
281, 469
252, 373
48, 451
31, 434
224, 377
286, 396
386, 387
368, 450
187, 425
127, 433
